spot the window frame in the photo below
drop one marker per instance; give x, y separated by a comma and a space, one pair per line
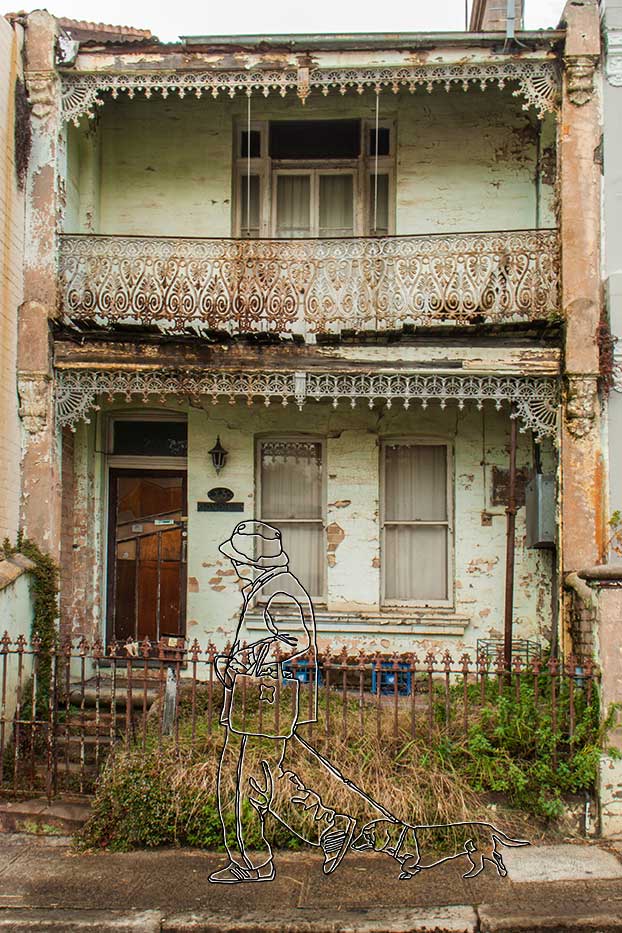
317, 598
266, 168
386, 166
259, 167
419, 441
138, 461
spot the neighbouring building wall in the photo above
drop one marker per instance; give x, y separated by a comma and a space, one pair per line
464, 162
479, 441
11, 254
612, 230
16, 613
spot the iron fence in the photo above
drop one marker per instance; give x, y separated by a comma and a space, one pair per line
63, 714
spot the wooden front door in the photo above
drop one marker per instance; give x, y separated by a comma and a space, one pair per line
147, 554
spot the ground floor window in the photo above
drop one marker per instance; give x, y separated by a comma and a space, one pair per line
416, 522
291, 497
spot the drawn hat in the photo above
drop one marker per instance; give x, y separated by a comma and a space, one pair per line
256, 544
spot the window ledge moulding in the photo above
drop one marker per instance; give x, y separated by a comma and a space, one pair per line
388, 622
536, 80
533, 400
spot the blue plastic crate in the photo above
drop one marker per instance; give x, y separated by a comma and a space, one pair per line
388, 675
303, 671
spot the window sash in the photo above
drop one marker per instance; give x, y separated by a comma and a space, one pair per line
303, 531
315, 224
424, 545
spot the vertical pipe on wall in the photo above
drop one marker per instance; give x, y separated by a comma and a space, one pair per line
509, 550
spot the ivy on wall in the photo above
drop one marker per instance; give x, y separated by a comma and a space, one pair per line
44, 588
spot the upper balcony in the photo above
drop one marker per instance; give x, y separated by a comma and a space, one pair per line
234, 208
308, 286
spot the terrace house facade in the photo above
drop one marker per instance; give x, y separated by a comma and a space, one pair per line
342, 284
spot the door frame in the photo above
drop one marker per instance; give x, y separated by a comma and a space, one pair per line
114, 472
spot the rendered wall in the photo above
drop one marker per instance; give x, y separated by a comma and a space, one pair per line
11, 253
480, 441
16, 613
464, 161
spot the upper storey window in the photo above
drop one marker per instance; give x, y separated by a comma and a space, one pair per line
314, 178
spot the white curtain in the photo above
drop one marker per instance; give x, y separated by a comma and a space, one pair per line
415, 556
336, 205
291, 489
293, 206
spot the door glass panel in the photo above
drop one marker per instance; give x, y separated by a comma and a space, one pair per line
293, 206
379, 205
336, 205
148, 573
150, 438
250, 206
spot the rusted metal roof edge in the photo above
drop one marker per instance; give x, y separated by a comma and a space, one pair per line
363, 41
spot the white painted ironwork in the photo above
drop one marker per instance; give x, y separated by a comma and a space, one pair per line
309, 286
537, 82
533, 400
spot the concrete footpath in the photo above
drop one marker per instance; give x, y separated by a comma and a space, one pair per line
45, 885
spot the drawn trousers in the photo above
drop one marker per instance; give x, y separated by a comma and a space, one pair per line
254, 782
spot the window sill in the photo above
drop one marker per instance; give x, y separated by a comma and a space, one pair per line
398, 621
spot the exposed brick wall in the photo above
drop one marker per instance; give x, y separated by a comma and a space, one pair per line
11, 261
583, 623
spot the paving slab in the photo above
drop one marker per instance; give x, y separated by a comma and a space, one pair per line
594, 921
72, 921
560, 863
454, 919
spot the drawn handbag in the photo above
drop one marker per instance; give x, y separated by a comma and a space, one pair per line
265, 706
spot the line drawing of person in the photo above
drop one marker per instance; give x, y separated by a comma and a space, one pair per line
261, 713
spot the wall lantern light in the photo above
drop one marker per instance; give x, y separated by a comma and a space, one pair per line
219, 455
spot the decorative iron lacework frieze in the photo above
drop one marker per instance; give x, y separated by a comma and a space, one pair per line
309, 286
537, 80
533, 400
294, 450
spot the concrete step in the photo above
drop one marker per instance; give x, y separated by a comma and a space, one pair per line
40, 818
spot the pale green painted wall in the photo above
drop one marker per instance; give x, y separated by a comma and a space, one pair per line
16, 612
480, 441
465, 161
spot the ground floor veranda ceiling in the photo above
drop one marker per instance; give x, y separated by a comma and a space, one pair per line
534, 401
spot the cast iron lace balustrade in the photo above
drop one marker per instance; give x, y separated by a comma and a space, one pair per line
309, 286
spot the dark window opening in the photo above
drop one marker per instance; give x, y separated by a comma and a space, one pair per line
384, 141
315, 139
255, 137
150, 438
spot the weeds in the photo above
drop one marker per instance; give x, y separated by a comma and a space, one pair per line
518, 744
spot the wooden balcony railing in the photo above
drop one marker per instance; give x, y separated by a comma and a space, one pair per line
308, 287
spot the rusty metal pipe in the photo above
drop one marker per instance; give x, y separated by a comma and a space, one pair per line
509, 551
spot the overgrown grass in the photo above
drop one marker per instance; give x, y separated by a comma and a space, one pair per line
517, 745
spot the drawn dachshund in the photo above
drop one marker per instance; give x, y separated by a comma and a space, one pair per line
477, 841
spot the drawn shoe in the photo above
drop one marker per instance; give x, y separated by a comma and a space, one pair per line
235, 874
336, 840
